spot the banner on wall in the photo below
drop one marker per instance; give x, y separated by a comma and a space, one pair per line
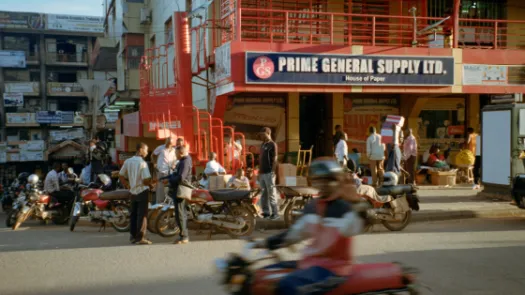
22, 20
327, 69
484, 75
362, 113
13, 99
75, 23
12, 59
250, 114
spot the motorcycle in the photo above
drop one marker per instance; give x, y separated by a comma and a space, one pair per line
94, 203
227, 210
39, 205
240, 276
18, 203
9, 196
296, 198
154, 211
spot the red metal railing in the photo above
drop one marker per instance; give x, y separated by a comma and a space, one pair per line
304, 27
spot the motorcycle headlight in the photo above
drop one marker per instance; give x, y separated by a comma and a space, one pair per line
33, 198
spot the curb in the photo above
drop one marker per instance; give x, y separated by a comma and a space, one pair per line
424, 216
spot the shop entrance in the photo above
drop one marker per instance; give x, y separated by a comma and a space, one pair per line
314, 128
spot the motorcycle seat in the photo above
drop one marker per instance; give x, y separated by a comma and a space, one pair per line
395, 190
230, 195
120, 194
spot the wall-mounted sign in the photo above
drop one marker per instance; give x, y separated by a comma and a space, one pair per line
75, 23
22, 20
484, 75
505, 98
22, 87
59, 117
13, 99
223, 63
12, 59
321, 69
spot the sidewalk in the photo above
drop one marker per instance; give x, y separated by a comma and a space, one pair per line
445, 204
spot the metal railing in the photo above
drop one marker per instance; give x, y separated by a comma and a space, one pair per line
303, 27
55, 57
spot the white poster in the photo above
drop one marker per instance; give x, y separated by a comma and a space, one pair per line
495, 147
223, 63
76, 23
13, 99
21, 87
12, 59
484, 75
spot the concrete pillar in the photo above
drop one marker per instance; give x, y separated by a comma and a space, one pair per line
43, 75
473, 119
89, 54
338, 112
293, 143
2, 90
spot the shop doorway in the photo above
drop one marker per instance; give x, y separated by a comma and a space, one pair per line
313, 124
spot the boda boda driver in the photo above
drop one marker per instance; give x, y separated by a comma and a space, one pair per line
330, 222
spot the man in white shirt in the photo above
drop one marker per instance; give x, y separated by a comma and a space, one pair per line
165, 164
136, 177
51, 183
341, 149
375, 150
213, 168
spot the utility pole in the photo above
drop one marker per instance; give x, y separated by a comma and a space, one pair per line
94, 89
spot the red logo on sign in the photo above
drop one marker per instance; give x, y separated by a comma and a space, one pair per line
263, 67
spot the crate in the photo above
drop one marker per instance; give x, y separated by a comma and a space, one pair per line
443, 178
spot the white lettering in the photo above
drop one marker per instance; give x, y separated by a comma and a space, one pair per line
438, 67
282, 63
290, 64
397, 66
381, 66
325, 65
355, 65
404, 66
415, 67
306, 66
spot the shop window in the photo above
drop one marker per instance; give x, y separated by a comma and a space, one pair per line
63, 77
22, 43
436, 124
67, 106
168, 31
133, 56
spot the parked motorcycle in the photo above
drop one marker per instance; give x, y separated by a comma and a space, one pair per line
95, 203
40, 205
9, 196
155, 210
395, 214
296, 198
240, 276
16, 206
226, 210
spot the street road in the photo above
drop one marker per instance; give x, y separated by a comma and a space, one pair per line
456, 257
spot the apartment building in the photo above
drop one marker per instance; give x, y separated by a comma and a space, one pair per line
42, 58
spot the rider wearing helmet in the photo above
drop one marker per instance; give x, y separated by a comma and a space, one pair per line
330, 221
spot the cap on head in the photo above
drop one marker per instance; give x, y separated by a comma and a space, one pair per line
325, 168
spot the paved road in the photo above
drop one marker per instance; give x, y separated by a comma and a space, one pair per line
456, 257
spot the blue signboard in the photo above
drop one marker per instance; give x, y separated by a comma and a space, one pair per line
58, 117
328, 69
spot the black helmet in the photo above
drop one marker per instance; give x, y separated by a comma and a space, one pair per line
22, 177
102, 145
325, 168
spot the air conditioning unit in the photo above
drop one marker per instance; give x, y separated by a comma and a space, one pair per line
145, 16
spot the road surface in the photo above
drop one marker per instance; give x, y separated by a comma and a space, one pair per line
456, 257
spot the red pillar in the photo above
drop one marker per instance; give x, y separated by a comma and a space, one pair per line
455, 15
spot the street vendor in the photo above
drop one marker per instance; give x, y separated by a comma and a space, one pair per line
435, 159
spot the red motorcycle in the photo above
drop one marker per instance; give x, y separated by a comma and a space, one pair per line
97, 205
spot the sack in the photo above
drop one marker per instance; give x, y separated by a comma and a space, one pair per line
184, 192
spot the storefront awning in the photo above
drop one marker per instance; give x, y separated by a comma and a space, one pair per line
67, 149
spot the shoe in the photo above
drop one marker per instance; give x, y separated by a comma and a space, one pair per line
132, 241
144, 242
181, 241
274, 217
264, 216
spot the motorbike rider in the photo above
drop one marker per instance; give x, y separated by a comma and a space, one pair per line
331, 222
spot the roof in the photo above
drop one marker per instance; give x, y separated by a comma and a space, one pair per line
67, 148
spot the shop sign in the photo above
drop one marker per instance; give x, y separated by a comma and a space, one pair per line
22, 20
223, 63
67, 134
58, 87
75, 23
20, 118
12, 59
58, 117
504, 98
22, 87
326, 69
13, 99
484, 75
456, 130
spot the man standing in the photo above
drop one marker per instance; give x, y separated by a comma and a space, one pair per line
51, 183
165, 163
471, 140
337, 135
410, 155
267, 167
375, 150
136, 177
182, 173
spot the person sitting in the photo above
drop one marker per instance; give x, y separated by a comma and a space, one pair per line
330, 221
213, 168
435, 159
239, 181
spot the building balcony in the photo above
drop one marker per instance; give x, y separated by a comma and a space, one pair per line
60, 59
346, 29
65, 89
26, 88
104, 57
33, 58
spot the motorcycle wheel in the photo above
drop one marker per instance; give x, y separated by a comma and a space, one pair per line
400, 225
123, 224
21, 218
249, 219
63, 218
152, 218
165, 224
295, 205
73, 219
11, 218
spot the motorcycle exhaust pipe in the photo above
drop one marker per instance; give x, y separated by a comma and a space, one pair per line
212, 219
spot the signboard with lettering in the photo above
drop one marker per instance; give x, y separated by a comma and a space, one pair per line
321, 69
22, 20
75, 23
12, 59
58, 117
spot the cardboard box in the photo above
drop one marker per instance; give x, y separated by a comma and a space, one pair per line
443, 178
296, 181
285, 170
218, 182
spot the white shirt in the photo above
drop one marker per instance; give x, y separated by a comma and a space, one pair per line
166, 159
135, 169
375, 150
51, 182
341, 150
243, 183
62, 177
478, 146
213, 167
